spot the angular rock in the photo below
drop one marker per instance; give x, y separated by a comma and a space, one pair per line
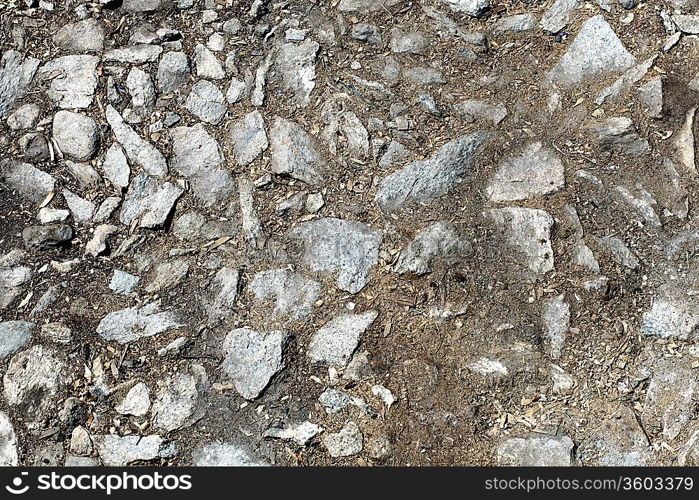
80, 37
32, 380
301, 433
365, 6
295, 152
99, 242
206, 102
173, 72
620, 251
77, 135
207, 64
672, 314
595, 51
249, 138
225, 455
134, 54
296, 63
73, 80
81, 209
330, 246
651, 96
120, 451
29, 182
437, 241
410, 42
345, 443
24, 117
46, 237
14, 335
198, 157
56, 332
8, 442
619, 134
16, 73
123, 283
236, 91
223, 292
150, 201
133, 323
556, 320
684, 143
478, 110
336, 341
536, 451
517, 23
687, 23
12, 277
425, 180
624, 83
168, 275
293, 294
527, 231
558, 15
252, 227
178, 402
116, 167
252, 358
139, 151
536, 171
142, 91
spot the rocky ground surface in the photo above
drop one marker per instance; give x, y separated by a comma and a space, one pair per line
349, 232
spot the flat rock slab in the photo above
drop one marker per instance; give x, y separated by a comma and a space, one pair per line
346, 442
596, 51
536, 171
296, 63
206, 102
73, 80
330, 245
136, 402
544, 451
336, 341
292, 294
77, 135
249, 138
197, 156
425, 180
82, 36
295, 152
527, 231
178, 401
439, 241
8, 442
150, 201
672, 314
133, 323
225, 455
223, 291
252, 358
12, 277
120, 451
16, 73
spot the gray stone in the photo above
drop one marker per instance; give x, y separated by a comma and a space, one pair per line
139, 151
12, 277
336, 341
81, 209
345, 443
476, 110
236, 91
106, 209
251, 359
34, 146
595, 51
249, 138
620, 441
684, 143
84, 174
423, 76
150, 201
365, 6
73, 80
536, 451
123, 283
116, 167
206, 102
14, 335
556, 321
198, 157
252, 227
207, 64
624, 83
80, 37
295, 152
46, 237
437, 241
673, 313
31, 373
134, 54
359, 368
223, 291
619, 134
29, 182
144, 5
651, 96
293, 294
168, 275
24, 117
225, 455
173, 71
367, 33
558, 15
425, 180
296, 63
474, 8
16, 73
687, 24
120, 451
528, 232
620, 251
133, 323
178, 403
301, 433
98, 244
56, 332
517, 23
80, 442
536, 171
411, 42
8, 442
49, 215
142, 91
77, 135
330, 245
73, 461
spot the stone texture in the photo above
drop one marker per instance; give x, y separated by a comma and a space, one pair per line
336, 341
